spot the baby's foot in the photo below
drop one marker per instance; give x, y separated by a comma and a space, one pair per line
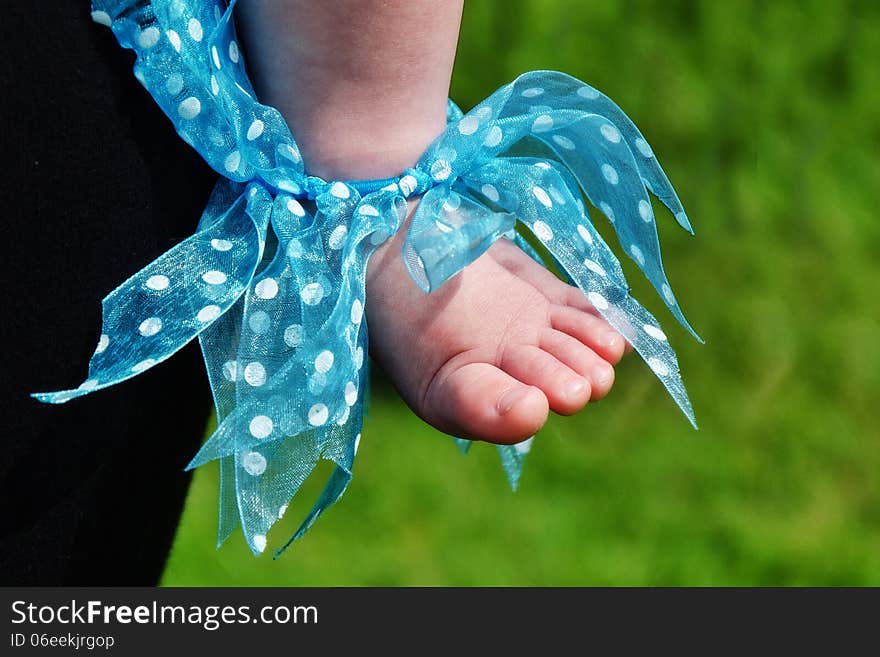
490, 352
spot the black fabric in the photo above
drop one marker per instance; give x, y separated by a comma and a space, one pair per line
95, 185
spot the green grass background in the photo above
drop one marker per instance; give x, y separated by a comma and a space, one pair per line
765, 117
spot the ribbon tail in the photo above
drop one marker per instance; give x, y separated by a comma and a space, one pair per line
604, 164
463, 445
160, 309
512, 459
585, 259
569, 93
333, 491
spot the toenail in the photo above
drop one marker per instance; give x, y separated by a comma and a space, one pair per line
512, 397
576, 388
611, 340
603, 375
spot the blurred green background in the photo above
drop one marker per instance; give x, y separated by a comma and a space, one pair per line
766, 117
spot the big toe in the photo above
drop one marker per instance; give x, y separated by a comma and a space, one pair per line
480, 401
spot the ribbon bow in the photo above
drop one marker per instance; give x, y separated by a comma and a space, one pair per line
273, 280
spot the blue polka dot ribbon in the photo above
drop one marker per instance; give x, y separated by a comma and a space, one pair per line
272, 282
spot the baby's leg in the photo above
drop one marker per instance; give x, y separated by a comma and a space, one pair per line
363, 85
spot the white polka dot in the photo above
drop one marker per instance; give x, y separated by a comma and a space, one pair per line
468, 125
452, 203
289, 186
643, 147
312, 293
407, 184
681, 218
484, 112
587, 92
259, 322
208, 313
221, 245
294, 248
260, 542
357, 311
594, 267
215, 86
493, 137
318, 415
660, 368
441, 170
261, 426
654, 332
368, 210
103, 342
542, 231
637, 254
230, 370
232, 162
296, 208
254, 464
149, 37
490, 192
610, 174
324, 361
157, 282
102, 17
256, 128
150, 326
585, 234
317, 383
174, 38
255, 374
143, 365
351, 393
359, 357
344, 417
214, 277
607, 211
340, 190
532, 92
543, 165
282, 511
543, 123
195, 29
645, 211
288, 151
357, 443
91, 384
597, 300
542, 196
233, 52
293, 335
337, 238
667, 294
564, 142
610, 133
215, 56
189, 108
266, 288
174, 84
556, 195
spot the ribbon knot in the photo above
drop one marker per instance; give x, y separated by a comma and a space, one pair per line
273, 281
